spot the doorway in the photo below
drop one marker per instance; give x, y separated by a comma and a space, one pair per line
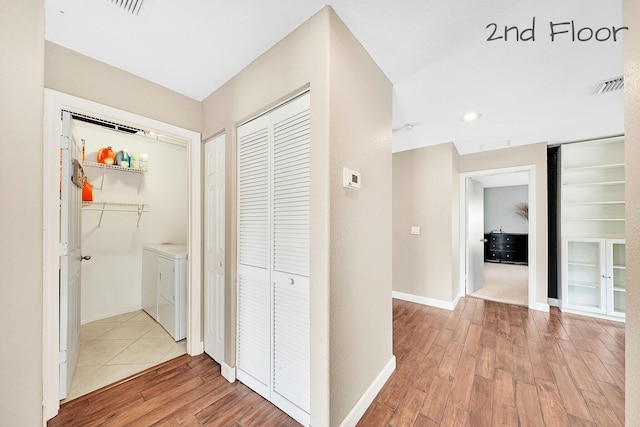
55, 103
133, 206
498, 238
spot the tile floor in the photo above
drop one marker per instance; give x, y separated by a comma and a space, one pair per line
114, 348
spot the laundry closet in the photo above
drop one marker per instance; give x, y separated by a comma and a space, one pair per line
142, 204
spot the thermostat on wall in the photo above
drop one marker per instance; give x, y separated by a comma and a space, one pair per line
351, 179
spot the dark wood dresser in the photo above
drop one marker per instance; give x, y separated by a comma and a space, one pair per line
507, 248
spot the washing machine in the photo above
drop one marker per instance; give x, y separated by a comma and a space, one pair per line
164, 288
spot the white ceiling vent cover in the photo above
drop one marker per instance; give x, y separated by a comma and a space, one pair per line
131, 6
611, 85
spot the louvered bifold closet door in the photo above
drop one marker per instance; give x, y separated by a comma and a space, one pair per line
291, 242
254, 293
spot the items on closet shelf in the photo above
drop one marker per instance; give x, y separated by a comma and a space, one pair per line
139, 161
123, 159
87, 191
106, 156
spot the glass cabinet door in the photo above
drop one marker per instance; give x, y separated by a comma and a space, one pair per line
584, 275
616, 277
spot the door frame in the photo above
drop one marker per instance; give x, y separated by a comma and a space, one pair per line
531, 169
54, 103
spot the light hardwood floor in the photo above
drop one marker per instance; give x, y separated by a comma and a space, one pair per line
483, 364
488, 363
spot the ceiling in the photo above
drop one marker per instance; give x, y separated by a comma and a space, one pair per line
507, 179
435, 52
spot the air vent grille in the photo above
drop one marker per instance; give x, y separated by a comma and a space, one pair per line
131, 6
611, 85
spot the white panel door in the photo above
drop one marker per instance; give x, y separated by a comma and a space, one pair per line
291, 243
273, 252
70, 256
475, 235
254, 304
214, 248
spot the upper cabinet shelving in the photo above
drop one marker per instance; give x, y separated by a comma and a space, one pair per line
593, 228
593, 186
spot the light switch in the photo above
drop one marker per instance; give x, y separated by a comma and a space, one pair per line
415, 230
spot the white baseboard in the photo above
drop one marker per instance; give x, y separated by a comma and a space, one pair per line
194, 348
228, 372
367, 398
553, 302
592, 314
542, 307
447, 305
111, 314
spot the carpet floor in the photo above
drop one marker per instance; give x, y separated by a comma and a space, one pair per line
508, 283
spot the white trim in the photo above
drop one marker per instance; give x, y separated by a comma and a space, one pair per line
106, 316
54, 103
542, 307
447, 305
367, 398
531, 169
553, 302
228, 372
592, 314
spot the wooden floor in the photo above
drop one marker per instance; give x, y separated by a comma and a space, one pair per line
493, 364
186, 391
483, 364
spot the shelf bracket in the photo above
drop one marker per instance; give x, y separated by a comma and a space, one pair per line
140, 212
102, 180
101, 214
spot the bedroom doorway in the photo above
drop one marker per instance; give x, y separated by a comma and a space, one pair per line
498, 235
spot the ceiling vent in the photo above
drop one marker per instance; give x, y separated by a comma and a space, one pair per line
131, 6
610, 85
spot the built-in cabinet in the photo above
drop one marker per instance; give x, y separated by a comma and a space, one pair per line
273, 343
593, 228
594, 272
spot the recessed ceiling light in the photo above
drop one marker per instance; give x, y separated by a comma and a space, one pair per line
406, 127
471, 116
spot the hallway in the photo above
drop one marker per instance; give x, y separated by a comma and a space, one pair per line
482, 364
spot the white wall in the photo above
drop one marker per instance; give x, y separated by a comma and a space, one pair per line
72, 73
360, 227
631, 15
111, 280
21, 112
425, 194
350, 126
500, 209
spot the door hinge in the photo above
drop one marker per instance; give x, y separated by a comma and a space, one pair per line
64, 249
64, 142
63, 357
